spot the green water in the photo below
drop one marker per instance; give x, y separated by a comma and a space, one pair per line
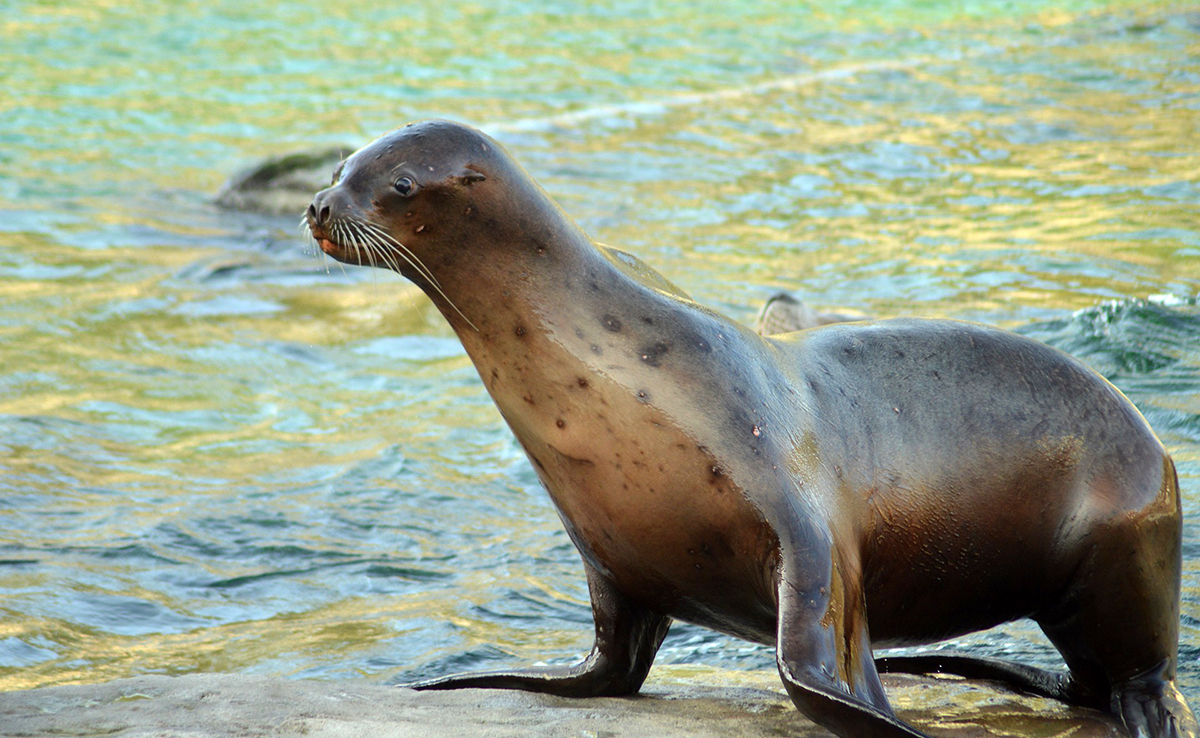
219, 453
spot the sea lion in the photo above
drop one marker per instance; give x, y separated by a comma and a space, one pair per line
877, 483
783, 313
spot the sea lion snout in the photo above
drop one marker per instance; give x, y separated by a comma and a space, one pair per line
327, 207
332, 222
318, 211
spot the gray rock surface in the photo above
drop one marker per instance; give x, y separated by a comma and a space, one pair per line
209, 705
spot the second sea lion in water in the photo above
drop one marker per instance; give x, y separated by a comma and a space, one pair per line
861, 484
783, 313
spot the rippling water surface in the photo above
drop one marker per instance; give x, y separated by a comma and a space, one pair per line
220, 454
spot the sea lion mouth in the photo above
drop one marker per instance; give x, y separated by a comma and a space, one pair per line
323, 236
328, 243
354, 242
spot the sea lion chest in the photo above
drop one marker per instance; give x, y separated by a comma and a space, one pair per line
649, 502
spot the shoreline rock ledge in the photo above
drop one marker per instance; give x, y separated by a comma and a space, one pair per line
204, 705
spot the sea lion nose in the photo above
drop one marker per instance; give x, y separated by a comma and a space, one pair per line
318, 211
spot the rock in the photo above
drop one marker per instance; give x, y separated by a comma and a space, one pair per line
282, 185
210, 705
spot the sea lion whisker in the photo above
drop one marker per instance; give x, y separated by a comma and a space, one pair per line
358, 247
366, 250
318, 252
385, 248
335, 230
366, 247
307, 234
335, 234
450, 302
373, 251
413, 260
375, 245
388, 254
407, 254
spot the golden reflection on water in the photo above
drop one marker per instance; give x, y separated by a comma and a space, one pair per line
1081, 185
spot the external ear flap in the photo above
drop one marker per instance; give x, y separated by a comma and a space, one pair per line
470, 176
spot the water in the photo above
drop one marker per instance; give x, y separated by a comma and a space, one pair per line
221, 454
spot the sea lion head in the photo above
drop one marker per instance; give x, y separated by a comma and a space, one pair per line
416, 198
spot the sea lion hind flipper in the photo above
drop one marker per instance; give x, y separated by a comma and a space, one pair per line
1027, 679
1151, 705
627, 638
823, 652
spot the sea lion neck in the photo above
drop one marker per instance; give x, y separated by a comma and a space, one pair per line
531, 263
553, 290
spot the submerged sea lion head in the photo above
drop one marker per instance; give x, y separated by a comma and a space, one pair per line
420, 198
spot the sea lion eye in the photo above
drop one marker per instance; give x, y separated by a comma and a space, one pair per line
404, 186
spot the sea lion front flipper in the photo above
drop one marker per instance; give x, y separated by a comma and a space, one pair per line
824, 652
627, 638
